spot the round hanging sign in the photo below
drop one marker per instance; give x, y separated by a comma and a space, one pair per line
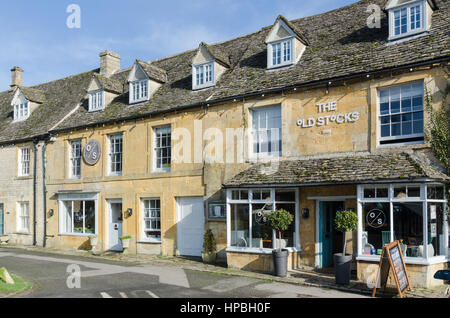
92, 152
376, 218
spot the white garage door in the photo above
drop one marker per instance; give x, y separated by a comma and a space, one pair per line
190, 226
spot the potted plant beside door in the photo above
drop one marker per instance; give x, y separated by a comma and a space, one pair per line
345, 221
280, 220
209, 253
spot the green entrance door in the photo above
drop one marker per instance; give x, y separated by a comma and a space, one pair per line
327, 212
2, 220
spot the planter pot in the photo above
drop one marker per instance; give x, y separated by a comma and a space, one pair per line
342, 267
125, 243
280, 259
93, 241
209, 258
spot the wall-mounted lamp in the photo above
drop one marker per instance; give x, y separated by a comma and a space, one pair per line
305, 213
51, 212
130, 212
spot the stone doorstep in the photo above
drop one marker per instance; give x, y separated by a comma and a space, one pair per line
355, 286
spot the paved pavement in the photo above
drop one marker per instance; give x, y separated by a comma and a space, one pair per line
57, 276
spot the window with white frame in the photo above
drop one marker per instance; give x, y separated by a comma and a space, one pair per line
78, 216
96, 100
408, 19
413, 214
23, 224
21, 111
115, 154
401, 113
163, 149
151, 221
281, 53
75, 159
139, 91
203, 75
247, 221
266, 131
24, 162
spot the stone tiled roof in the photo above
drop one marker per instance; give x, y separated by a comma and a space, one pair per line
33, 95
340, 44
110, 84
60, 98
153, 71
338, 170
220, 56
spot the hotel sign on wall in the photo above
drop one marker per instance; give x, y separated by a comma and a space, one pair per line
324, 120
92, 152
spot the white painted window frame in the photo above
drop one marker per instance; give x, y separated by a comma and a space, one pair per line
143, 87
111, 139
391, 200
263, 155
21, 111
409, 32
76, 197
283, 63
157, 131
144, 237
96, 100
74, 158
250, 201
24, 165
402, 137
195, 73
23, 217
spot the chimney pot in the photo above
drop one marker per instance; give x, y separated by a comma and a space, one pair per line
16, 77
109, 63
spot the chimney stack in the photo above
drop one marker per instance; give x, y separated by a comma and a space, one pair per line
109, 63
16, 77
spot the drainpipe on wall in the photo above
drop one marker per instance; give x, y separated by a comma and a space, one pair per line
35, 141
44, 191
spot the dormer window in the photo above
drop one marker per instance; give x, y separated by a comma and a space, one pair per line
139, 91
204, 75
281, 53
408, 18
21, 111
96, 101
144, 80
285, 44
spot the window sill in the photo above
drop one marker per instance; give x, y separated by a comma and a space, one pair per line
406, 36
76, 234
408, 260
24, 177
149, 242
263, 251
22, 233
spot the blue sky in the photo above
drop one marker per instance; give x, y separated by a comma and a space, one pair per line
35, 35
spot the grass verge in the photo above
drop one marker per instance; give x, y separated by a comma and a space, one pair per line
20, 285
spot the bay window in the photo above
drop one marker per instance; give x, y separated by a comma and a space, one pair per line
247, 219
412, 214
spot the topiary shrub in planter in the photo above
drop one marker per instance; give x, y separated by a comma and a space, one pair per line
345, 221
280, 220
209, 253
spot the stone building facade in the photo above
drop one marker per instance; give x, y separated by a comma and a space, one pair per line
310, 119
